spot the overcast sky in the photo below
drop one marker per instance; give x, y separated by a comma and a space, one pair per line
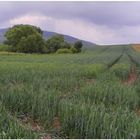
99, 22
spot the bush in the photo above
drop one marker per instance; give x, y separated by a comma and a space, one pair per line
74, 50
5, 48
61, 51
78, 45
54, 43
65, 45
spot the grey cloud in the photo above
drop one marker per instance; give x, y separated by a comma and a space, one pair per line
107, 22
102, 13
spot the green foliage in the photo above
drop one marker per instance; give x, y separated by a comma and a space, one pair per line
29, 39
31, 44
57, 42
54, 43
5, 48
65, 45
74, 50
61, 51
25, 38
78, 45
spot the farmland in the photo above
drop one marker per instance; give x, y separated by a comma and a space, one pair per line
93, 94
136, 47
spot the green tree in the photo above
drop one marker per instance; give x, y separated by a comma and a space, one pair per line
65, 45
78, 45
54, 43
25, 38
32, 44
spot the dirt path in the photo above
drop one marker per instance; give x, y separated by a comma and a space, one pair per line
33, 125
56, 128
132, 76
29, 124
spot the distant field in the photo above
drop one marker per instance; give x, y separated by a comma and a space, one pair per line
93, 94
136, 47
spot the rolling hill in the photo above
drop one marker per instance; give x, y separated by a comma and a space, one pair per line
48, 34
2, 32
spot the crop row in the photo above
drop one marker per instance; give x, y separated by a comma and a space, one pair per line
102, 110
48, 87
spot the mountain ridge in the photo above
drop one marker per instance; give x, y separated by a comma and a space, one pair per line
48, 34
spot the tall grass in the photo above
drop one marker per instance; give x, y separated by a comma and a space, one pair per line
10, 128
47, 86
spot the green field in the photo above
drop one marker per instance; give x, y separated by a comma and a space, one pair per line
85, 95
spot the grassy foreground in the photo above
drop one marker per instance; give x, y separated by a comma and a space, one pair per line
83, 95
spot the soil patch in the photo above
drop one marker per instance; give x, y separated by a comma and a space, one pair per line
132, 76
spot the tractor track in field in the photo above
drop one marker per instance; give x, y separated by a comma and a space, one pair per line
132, 60
101, 52
114, 62
109, 65
133, 72
104, 49
132, 76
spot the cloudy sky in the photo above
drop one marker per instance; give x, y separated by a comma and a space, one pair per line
99, 22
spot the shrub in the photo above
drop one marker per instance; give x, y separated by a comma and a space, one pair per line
65, 45
5, 48
54, 43
61, 51
74, 50
78, 45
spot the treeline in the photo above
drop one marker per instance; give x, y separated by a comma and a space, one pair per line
29, 39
